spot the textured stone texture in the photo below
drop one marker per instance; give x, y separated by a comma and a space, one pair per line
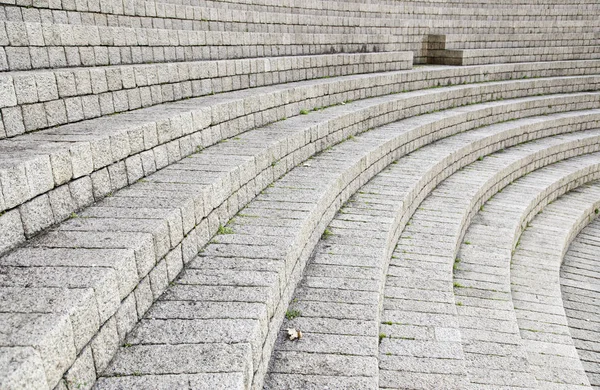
578, 273
133, 132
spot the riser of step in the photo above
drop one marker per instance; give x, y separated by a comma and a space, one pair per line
35, 45
509, 55
221, 10
536, 290
102, 181
155, 329
176, 236
203, 19
506, 41
331, 282
48, 98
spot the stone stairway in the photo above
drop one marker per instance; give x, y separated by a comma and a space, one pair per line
182, 181
579, 281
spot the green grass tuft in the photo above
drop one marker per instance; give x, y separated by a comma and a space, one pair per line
291, 314
224, 230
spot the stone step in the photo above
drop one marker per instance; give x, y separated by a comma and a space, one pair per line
412, 26
343, 283
579, 287
172, 16
506, 41
293, 211
482, 273
536, 288
478, 10
35, 100
75, 169
41, 45
189, 17
258, 262
512, 54
205, 9
429, 321
128, 247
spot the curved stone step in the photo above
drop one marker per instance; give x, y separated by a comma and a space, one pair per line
532, 39
38, 182
258, 18
536, 290
35, 100
287, 209
580, 289
513, 11
407, 22
159, 228
35, 45
344, 280
257, 262
420, 318
490, 332
512, 54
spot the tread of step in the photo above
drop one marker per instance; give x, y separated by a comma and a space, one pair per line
425, 327
201, 275
514, 54
482, 271
338, 298
38, 99
165, 235
580, 287
104, 162
165, 227
536, 289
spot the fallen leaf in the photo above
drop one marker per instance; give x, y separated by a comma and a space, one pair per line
294, 334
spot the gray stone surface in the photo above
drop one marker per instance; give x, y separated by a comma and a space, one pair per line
542, 247
72, 293
579, 281
123, 142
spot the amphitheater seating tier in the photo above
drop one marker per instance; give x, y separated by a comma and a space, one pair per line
286, 194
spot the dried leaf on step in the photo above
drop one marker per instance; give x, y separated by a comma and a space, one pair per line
294, 334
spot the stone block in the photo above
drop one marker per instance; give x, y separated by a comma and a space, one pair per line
11, 230
24, 88
101, 185
12, 118
36, 215
15, 186
62, 203
46, 86
18, 58
39, 174
56, 112
34, 116
105, 344
21, 368
143, 296
118, 175
174, 262
66, 84
82, 192
82, 374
